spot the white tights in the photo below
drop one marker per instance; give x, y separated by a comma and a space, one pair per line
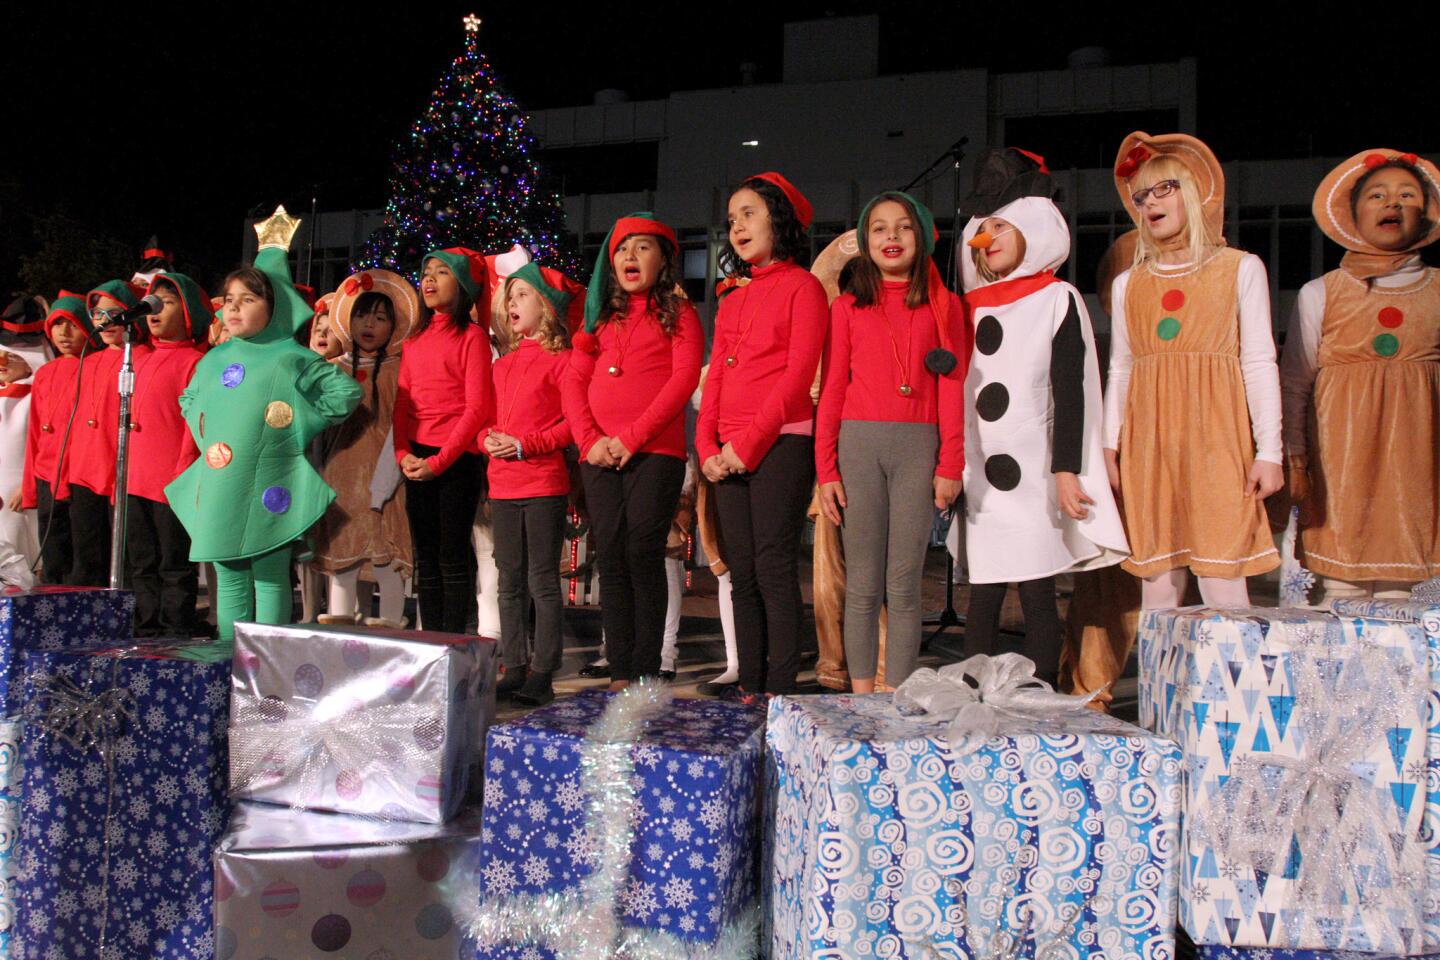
1165, 590
1378, 589
344, 593
487, 579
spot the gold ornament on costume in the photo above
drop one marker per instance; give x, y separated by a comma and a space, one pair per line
279, 414
218, 455
278, 230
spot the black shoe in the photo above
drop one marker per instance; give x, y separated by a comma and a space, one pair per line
595, 671
737, 694
667, 675
712, 689
510, 681
536, 692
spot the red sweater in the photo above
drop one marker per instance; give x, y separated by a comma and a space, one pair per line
645, 405
91, 460
52, 396
445, 394
161, 446
861, 377
527, 407
774, 327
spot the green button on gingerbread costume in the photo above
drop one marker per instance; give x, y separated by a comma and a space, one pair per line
253, 405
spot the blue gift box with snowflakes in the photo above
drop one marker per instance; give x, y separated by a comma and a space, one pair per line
629, 821
57, 618
124, 797
1213, 952
1312, 754
1058, 838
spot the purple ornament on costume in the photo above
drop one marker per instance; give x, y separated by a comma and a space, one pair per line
276, 499
233, 375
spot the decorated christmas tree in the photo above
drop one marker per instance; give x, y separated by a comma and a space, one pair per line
467, 176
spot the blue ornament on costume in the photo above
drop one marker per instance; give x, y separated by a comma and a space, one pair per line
276, 499
233, 375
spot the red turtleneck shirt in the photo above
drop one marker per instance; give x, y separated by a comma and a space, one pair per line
645, 404
869, 353
91, 460
527, 407
445, 394
161, 446
52, 397
773, 327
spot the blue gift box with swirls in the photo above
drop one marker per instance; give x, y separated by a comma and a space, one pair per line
124, 797
1055, 840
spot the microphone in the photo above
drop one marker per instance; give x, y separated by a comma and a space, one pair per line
148, 306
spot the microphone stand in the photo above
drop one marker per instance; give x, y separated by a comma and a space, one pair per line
126, 387
948, 617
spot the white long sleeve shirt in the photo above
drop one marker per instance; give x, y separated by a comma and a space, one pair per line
1300, 364
1257, 357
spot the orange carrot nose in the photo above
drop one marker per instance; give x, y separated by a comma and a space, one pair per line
982, 240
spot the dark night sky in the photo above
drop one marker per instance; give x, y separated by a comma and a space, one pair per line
229, 111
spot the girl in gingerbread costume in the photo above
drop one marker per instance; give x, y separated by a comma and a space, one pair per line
364, 533
1361, 378
1192, 414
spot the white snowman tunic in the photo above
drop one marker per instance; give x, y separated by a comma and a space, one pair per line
1014, 527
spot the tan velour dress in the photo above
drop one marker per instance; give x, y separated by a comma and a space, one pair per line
1375, 434
350, 532
1186, 448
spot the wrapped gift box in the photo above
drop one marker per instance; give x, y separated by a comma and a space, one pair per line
10, 772
1059, 838
298, 884
1311, 818
123, 800
378, 723
57, 618
622, 823
1211, 952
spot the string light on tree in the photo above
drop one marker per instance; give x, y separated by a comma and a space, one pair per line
467, 175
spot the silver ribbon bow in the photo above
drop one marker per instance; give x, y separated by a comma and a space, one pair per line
1336, 817
980, 694
68, 712
376, 737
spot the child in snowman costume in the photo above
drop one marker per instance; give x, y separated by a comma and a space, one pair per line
1037, 499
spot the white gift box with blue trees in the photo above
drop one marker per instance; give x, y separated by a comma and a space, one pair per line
1311, 787
1055, 839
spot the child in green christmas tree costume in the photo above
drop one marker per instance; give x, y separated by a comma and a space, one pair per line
253, 406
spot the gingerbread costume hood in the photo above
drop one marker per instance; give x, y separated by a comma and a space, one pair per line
404, 304
1332, 211
1206, 171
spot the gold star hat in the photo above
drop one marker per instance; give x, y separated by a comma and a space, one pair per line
404, 304
272, 259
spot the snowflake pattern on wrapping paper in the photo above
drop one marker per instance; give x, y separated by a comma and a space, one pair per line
57, 618
887, 843
159, 893
695, 820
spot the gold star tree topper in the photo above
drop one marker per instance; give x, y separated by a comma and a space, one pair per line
472, 23
278, 230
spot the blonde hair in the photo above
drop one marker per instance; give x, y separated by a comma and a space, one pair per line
1197, 243
554, 336
982, 263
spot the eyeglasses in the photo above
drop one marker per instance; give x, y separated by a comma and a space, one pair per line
1162, 189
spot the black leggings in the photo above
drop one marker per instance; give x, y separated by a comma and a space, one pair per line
90, 535
441, 514
762, 514
57, 556
1042, 623
528, 536
159, 569
631, 511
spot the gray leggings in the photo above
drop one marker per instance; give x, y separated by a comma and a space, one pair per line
887, 469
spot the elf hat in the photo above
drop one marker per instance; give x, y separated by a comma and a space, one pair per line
194, 303
804, 212
24, 314
404, 303
291, 311
468, 267
1333, 213
1205, 170
68, 306
942, 359
598, 293
121, 291
532, 274
1003, 174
